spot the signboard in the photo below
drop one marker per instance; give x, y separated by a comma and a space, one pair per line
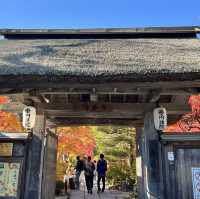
196, 182
6, 149
9, 177
160, 118
29, 116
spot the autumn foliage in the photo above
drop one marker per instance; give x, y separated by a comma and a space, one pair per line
72, 141
4, 100
189, 122
9, 122
75, 141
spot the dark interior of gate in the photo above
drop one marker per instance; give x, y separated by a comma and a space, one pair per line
103, 77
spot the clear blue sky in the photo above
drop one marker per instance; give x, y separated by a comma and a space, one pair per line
98, 13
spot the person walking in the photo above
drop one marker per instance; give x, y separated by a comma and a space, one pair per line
89, 168
101, 170
79, 169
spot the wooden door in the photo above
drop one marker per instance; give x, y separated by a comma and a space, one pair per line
187, 159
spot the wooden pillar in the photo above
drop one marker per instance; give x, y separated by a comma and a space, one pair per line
34, 167
151, 154
49, 166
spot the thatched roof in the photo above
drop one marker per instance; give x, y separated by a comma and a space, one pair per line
103, 59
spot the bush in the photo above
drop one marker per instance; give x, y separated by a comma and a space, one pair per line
59, 187
120, 178
133, 195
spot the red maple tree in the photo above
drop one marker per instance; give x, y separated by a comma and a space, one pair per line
75, 141
189, 122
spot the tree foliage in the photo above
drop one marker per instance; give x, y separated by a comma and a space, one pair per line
72, 142
76, 140
189, 122
118, 145
9, 122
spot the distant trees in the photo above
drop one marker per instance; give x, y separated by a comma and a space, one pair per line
73, 141
118, 145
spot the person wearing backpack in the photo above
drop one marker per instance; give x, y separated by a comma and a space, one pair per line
89, 168
101, 170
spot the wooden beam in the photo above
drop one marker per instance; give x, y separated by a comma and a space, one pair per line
13, 107
15, 91
53, 122
108, 110
95, 110
107, 115
35, 94
154, 96
126, 110
95, 122
125, 91
180, 99
58, 82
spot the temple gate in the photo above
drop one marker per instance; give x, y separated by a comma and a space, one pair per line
101, 77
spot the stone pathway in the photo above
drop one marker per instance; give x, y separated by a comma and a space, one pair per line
108, 194
61, 197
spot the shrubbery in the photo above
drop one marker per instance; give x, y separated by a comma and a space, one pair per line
120, 178
118, 145
59, 187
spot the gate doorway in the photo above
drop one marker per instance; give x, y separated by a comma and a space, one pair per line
117, 143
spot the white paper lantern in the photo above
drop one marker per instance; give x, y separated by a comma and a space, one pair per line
160, 118
29, 116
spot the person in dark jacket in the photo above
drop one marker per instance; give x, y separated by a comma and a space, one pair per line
101, 170
79, 169
89, 168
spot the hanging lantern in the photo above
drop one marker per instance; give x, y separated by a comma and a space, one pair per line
160, 118
29, 116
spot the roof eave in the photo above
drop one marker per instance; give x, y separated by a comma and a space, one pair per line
183, 29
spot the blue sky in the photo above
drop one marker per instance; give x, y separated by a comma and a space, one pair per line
101, 13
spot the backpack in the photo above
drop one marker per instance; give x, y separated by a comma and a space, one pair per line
102, 167
89, 169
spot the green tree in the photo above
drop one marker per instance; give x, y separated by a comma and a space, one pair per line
118, 145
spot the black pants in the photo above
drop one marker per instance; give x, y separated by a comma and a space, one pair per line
89, 182
66, 187
98, 182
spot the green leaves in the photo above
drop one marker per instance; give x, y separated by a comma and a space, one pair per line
118, 145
